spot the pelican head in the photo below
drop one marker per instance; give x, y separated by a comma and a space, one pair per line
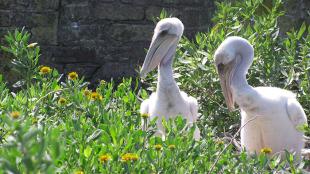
166, 36
228, 58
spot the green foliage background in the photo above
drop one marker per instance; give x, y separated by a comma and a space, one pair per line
50, 136
280, 61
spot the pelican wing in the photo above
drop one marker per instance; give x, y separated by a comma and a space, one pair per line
296, 113
193, 106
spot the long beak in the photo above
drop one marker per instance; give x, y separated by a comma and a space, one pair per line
159, 48
226, 73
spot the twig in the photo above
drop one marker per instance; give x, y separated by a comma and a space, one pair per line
231, 141
234, 142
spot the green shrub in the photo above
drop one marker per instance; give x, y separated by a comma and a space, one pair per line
62, 127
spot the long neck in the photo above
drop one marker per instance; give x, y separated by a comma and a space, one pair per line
165, 76
244, 58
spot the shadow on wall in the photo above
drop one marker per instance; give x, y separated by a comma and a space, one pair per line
98, 38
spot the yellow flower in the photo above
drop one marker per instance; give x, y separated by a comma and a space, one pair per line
73, 76
45, 70
171, 146
158, 147
32, 45
129, 157
95, 96
79, 172
86, 92
15, 114
145, 115
104, 158
266, 150
62, 101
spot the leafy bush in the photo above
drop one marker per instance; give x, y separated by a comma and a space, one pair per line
25, 57
62, 127
280, 61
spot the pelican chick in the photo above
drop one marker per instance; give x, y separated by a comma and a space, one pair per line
270, 116
168, 101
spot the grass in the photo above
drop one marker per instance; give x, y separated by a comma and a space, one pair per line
53, 126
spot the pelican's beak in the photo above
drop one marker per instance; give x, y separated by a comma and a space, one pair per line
161, 45
226, 73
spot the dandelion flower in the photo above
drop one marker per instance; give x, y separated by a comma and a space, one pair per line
73, 75
45, 70
79, 172
158, 147
129, 157
62, 101
145, 115
171, 146
266, 150
95, 96
32, 45
104, 158
15, 114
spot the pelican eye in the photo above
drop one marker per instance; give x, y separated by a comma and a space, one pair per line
220, 67
163, 33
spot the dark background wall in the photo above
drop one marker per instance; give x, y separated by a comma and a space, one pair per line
98, 38
107, 38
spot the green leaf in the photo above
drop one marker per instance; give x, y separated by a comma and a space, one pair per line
301, 30
125, 99
94, 136
113, 134
302, 127
87, 151
6, 49
30, 134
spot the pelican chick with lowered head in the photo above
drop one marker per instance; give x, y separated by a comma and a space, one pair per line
270, 116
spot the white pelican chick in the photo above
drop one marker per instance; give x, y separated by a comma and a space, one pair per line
168, 101
275, 112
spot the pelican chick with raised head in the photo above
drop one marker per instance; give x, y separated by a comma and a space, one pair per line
168, 101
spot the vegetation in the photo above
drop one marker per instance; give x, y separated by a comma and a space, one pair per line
51, 126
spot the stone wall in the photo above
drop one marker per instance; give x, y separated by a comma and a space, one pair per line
98, 38
297, 12
107, 38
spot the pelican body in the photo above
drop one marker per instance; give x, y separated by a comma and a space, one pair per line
275, 113
168, 101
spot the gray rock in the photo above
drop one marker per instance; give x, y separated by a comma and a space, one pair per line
5, 19
131, 33
118, 11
